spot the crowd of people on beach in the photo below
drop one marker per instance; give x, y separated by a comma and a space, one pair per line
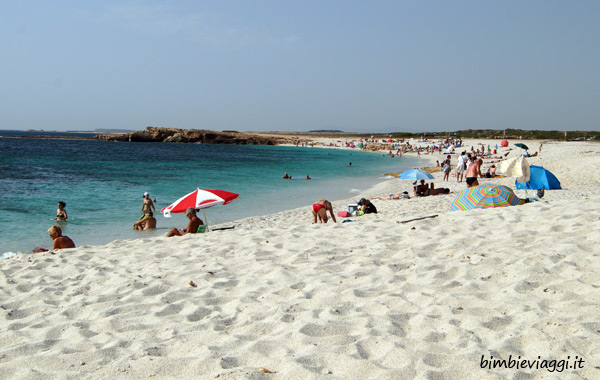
468, 167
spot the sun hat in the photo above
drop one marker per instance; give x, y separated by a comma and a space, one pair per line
146, 193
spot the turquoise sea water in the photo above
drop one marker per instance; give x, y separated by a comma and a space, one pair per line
103, 182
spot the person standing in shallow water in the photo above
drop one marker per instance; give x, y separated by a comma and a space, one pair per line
61, 213
147, 206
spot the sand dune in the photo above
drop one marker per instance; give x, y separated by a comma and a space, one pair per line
280, 298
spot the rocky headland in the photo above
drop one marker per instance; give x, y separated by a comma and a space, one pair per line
157, 134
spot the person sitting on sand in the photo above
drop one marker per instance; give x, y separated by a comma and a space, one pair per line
145, 224
367, 207
403, 195
61, 213
320, 208
491, 172
60, 241
192, 227
422, 189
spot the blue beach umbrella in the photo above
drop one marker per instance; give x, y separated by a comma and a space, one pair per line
415, 175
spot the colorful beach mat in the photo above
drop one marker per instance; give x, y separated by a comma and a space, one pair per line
485, 196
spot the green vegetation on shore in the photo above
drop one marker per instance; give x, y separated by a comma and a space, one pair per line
467, 133
509, 134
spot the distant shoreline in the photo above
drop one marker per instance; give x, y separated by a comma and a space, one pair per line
510, 134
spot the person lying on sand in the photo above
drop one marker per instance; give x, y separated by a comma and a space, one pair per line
403, 195
192, 227
145, 224
433, 191
320, 208
60, 241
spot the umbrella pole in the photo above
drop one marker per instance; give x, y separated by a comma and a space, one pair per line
205, 220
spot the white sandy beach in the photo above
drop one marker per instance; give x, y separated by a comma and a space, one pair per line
280, 298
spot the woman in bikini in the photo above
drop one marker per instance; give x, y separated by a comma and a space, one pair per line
61, 213
320, 208
147, 206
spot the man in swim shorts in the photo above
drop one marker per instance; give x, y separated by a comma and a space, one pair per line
192, 227
319, 209
145, 224
473, 171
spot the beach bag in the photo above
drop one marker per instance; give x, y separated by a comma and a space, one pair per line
344, 214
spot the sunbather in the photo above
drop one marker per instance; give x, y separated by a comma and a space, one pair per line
403, 195
439, 191
192, 227
60, 241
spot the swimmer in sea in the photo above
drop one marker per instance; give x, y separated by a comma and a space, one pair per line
61, 213
320, 208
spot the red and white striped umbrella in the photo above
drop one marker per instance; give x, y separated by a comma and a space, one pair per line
200, 198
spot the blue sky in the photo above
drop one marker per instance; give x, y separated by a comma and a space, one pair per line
357, 66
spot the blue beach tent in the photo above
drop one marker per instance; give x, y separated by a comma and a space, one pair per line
538, 178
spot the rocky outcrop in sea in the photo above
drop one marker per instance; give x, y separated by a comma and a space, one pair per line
157, 134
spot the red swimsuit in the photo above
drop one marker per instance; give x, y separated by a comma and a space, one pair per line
317, 207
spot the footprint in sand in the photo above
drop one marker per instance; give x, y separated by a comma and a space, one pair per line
169, 310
